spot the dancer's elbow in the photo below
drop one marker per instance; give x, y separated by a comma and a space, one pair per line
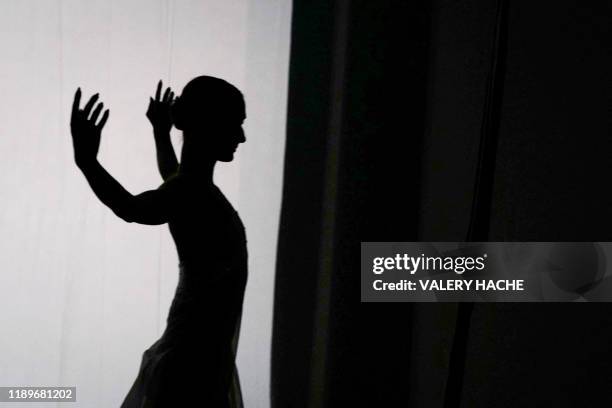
124, 215
125, 211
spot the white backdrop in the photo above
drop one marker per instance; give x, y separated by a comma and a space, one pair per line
83, 294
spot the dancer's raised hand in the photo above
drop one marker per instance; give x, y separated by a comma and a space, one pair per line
158, 112
86, 129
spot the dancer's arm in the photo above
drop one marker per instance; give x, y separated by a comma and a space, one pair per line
158, 114
151, 207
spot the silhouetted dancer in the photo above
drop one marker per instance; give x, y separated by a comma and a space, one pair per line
192, 363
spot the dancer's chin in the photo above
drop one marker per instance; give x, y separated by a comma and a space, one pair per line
227, 157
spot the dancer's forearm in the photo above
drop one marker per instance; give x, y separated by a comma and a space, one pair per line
108, 190
167, 162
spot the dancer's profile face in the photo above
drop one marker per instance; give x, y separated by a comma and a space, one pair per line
229, 133
219, 131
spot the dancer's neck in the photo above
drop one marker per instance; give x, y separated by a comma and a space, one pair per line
201, 167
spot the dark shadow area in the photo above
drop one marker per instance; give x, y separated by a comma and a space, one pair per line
386, 109
356, 118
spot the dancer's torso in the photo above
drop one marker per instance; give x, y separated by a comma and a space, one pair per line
211, 245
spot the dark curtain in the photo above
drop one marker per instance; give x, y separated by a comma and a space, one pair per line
385, 110
356, 119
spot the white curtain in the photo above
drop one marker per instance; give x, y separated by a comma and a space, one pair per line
83, 294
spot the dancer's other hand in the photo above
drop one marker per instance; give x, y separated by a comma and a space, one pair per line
158, 112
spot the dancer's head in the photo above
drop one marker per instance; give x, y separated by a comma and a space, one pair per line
210, 112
